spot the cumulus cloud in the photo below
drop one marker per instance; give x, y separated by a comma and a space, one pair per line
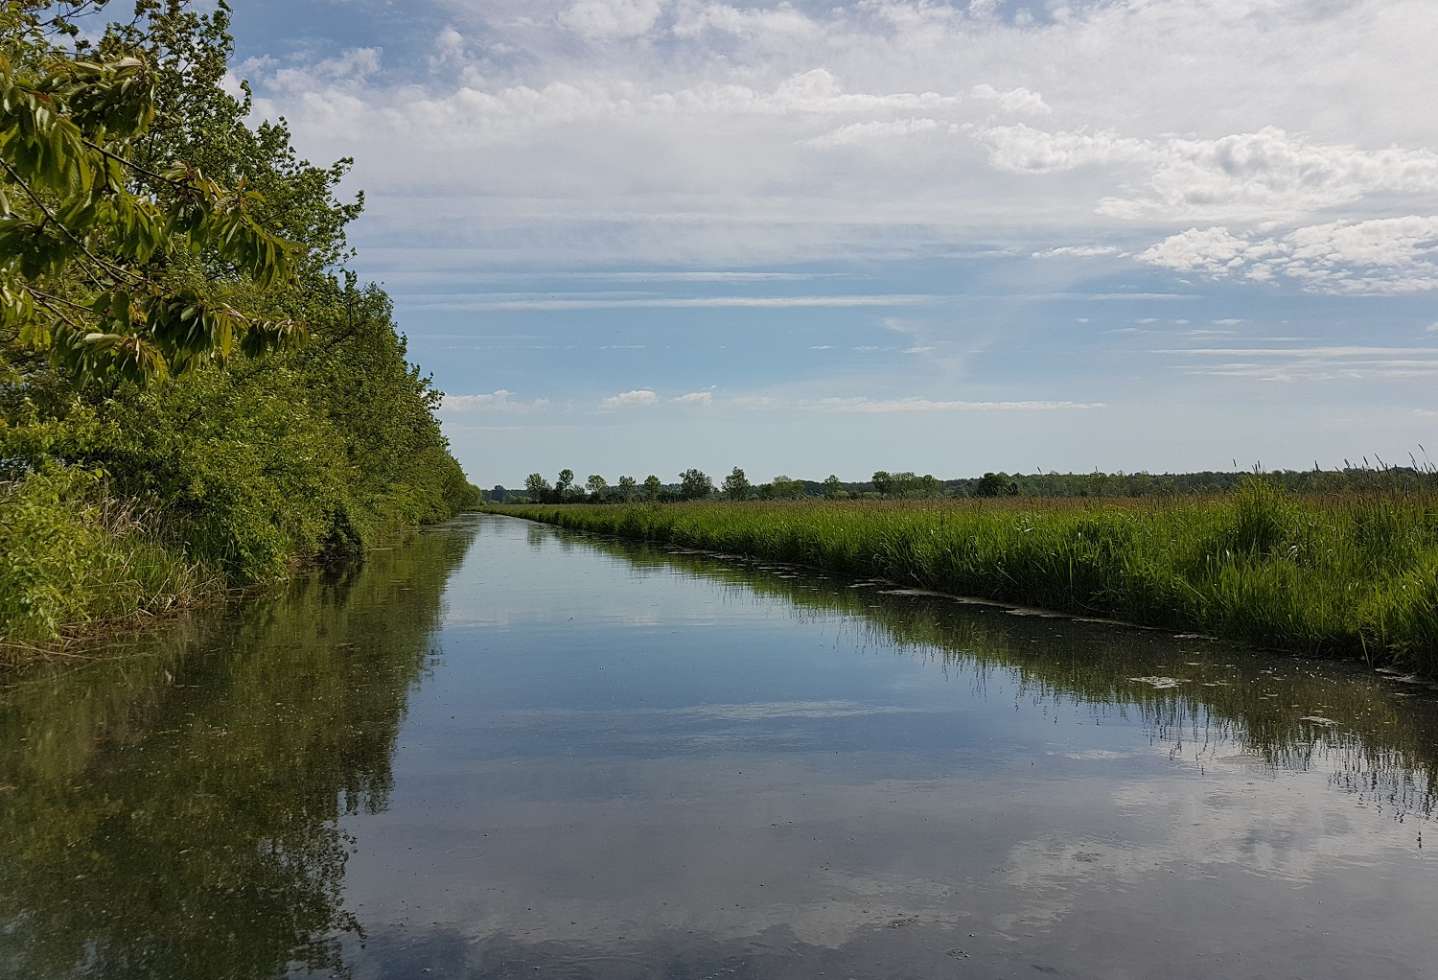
501, 401
875, 132
610, 19
1260, 174
1382, 256
697, 131
1079, 252
696, 398
1017, 100
637, 398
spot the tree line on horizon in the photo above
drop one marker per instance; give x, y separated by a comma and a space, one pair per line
694, 484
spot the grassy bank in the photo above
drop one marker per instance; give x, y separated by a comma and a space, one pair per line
1353, 576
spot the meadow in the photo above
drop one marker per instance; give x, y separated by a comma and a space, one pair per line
1344, 576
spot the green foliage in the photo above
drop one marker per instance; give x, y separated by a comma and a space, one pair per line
70, 555
1353, 576
130, 356
695, 485
737, 485
107, 264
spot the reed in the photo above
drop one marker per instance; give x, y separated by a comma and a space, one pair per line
1351, 576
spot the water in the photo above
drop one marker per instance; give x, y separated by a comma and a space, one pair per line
505, 751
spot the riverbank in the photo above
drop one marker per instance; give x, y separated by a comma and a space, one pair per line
78, 564
1343, 577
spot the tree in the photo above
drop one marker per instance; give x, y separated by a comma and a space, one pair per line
833, 489
695, 485
627, 488
737, 485
118, 269
786, 488
992, 485
563, 485
596, 485
883, 482
537, 488
652, 487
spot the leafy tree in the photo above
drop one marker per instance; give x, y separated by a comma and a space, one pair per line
992, 485
737, 485
883, 482
834, 489
563, 484
695, 485
537, 488
786, 488
627, 488
315, 449
596, 485
115, 268
652, 487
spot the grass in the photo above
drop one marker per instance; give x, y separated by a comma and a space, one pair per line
73, 559
1352, 576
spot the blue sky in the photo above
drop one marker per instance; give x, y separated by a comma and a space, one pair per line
632, 236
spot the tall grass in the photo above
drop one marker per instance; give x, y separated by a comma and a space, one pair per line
72, 557
1346, 576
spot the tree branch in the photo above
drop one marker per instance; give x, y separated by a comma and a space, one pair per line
109, 267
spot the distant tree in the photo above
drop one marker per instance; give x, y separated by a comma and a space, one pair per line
596, 485
786, 488
928, 486
498, 495
833, 489
737, 485
565, 481
883, 482
627, 488
652, 487
992, 485
695, 485
537, 488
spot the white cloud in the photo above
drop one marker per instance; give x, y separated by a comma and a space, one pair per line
448, 49
1017, 100
696, 398
679, 303
1079, 252
874, 132
906, 406
1250, 175
611, 19
1382, 256
727, 132
639, 397
694, 19
501, 401
1316, 363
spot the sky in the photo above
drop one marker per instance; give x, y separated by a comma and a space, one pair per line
949, 236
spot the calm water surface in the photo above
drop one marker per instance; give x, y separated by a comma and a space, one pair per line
506, 751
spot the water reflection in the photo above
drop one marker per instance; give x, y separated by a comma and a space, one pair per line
1375, 734
506, 751
175, 812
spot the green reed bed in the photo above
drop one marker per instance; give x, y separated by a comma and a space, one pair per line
1348, 576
